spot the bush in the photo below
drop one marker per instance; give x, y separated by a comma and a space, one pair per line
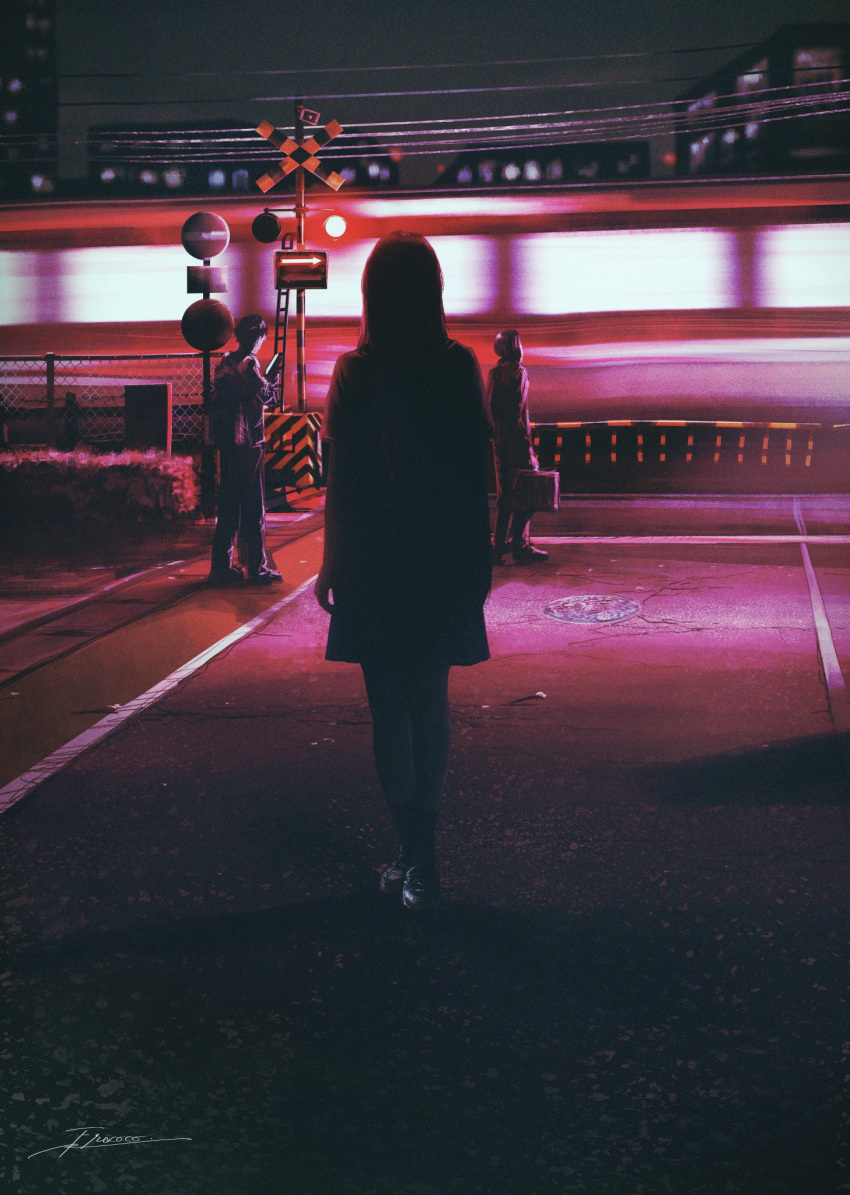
44, 484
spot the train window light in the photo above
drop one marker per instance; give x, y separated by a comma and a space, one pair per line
122, 284
806, 265
646, 270
31, 288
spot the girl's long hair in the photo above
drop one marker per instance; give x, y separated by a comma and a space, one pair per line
402, 297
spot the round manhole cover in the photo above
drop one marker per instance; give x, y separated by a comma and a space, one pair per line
593, 608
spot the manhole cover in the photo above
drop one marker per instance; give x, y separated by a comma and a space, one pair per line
593, 608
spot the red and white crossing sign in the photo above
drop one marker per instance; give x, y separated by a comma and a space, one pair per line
301, 269
295, 155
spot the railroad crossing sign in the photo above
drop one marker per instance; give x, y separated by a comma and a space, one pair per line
304, 155
296, 269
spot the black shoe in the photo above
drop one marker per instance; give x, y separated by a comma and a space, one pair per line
229, 576
265, 576
393, 875
421, 889
528, 554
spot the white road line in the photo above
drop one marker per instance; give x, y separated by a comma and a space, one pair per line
836, 688
692, 539
15, 790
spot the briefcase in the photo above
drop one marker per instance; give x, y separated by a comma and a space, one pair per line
536, 490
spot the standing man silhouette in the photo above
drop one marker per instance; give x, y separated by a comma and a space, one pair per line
240, 395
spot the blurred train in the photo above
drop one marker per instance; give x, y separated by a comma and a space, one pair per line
636, 299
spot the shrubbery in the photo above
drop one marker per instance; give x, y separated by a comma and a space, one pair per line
43, 484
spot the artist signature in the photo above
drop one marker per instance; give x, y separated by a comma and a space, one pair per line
90, 1137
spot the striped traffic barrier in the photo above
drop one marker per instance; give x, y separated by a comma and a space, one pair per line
293, 452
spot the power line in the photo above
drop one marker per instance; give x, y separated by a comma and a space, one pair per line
412, 66
371, 95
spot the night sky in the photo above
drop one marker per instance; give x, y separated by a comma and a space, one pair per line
230, 37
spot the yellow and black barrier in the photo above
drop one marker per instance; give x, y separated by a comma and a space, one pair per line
695, 456
293, 450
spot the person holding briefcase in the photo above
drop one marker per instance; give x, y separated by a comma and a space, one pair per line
507, 390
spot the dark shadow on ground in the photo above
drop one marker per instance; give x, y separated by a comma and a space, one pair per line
804, 772
340, 1045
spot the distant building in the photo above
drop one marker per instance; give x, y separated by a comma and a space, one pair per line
29, 109
212, 158
548, 164
729, 122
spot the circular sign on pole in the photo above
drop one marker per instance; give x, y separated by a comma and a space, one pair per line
205, 235
207, 325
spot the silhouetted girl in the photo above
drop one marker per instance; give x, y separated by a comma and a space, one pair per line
407, 557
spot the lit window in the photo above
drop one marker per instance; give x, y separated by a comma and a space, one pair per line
121, 284
817, 66
704, 103
373, 170
487, 170
107, 175
348, 174
588, 170
730, 137
510, 172
173, 176
554, 170
41, 184
216, 178
627, 165
753, 79
531, 171
15, 85
384, 174
148, 177
806, 265
645, 270
700, 151
239, 180
10, 116
751, 130
464, 175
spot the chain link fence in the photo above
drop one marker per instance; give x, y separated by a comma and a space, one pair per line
79, 401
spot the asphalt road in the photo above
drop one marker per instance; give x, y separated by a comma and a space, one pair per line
637, 982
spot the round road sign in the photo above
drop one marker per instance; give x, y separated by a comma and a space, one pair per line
207, 325
205, 235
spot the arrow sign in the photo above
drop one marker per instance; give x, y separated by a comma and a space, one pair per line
297, 270
295, 155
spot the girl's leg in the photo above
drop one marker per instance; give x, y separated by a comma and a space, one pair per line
391, 738
427, 687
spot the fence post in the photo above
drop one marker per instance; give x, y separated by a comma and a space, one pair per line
49, 360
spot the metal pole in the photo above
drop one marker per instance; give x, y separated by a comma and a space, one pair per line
208, 448
50, 436
300, 313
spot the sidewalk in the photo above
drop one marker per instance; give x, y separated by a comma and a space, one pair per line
637, 983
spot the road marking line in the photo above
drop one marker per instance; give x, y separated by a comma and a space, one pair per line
692, 539
836, 687
16, 789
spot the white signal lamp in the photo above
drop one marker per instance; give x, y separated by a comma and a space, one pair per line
335, 226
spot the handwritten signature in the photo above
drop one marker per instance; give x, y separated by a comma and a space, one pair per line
89, 1137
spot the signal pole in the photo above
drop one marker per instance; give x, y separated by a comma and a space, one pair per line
300, 305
